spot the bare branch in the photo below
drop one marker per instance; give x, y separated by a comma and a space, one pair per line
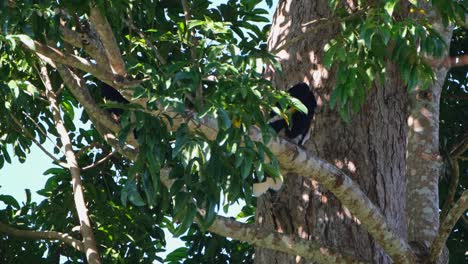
97, 163
454, 177
108, 41
456, 97
55, 55
295, 246
460, 147
42, 235
447, 225
89, 242
31, 137
455, 153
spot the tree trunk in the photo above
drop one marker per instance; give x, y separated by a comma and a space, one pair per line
371, 148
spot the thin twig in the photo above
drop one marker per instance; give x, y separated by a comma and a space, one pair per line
46, 235
97, 163
460, 147
447, 225
31, 137
42, 131
454, 177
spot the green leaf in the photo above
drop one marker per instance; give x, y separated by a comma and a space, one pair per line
191, 211
177, 255
272, 171
224, 120
247, 165
9, 200
13, 85
298, 105
390, 6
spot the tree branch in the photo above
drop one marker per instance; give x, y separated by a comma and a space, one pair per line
454, 177
45, 235
89, 242
455, 155
85, 65
457, 61
97, 163
108, 41
31, 137
460, 147
309, 249
448, 62
93, 46
447, 225
295, 246
76, 85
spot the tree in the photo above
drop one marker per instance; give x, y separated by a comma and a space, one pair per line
364, 190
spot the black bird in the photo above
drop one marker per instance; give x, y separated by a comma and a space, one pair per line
298, 132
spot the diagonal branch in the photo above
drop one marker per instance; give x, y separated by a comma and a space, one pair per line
447, 225
89, 242
45, 235
41, 130
108, 41
85, 65
39, 145
460, 147
455, 155
97, 163
302, 162
76, 85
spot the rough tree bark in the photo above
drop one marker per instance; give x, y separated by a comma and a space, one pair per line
371, 148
